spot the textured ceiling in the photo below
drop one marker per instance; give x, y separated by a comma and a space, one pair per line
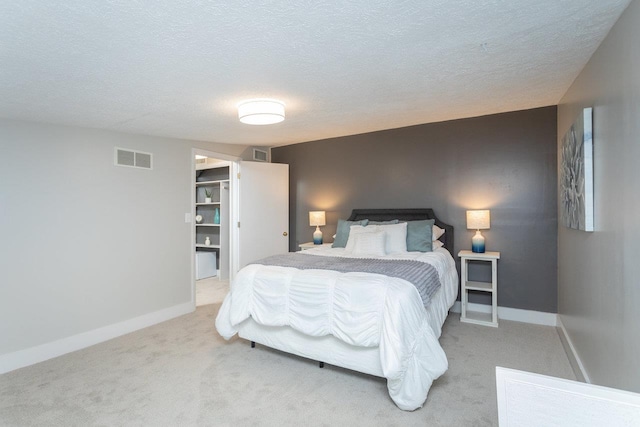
178, 68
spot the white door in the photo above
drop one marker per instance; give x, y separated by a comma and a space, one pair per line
263, 210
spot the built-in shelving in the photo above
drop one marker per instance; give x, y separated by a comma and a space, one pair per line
203, 246
213, 180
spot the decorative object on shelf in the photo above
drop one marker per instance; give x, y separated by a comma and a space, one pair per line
207, 195
198, 219
478, 220
207, 241
576, 173
261, 111
317, 218
216, 216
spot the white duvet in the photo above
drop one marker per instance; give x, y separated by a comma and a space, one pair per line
361, 309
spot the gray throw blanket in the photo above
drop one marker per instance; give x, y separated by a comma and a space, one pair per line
422, 275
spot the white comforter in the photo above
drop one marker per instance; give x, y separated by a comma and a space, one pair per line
361, 309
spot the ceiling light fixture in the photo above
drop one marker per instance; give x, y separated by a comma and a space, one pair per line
261, 111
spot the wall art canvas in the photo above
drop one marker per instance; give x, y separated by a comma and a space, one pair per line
576, 173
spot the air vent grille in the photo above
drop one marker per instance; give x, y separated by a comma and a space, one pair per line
260, 155
133, 159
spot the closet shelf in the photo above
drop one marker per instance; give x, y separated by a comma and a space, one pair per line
199, 183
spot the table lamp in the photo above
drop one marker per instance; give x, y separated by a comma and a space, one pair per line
317, 218
478, 220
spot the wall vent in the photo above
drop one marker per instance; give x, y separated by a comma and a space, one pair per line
260, 155
133, 159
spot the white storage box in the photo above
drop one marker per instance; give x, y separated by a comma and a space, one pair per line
206, 264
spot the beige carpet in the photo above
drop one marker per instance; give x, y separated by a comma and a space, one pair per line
181, 373
211, 291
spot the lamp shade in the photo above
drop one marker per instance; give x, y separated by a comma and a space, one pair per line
261, 111
478, 220
317, 218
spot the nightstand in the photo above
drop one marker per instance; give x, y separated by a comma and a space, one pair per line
311, 245
487, 319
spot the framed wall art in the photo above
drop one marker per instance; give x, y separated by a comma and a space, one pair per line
576, 173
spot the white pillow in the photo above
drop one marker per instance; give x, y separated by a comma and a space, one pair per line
396, 239
354, 230
437, 232
437, 244
369, 244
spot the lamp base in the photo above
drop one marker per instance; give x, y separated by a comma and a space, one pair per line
477, 243
317, 236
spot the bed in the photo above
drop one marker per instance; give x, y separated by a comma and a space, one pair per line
360, 320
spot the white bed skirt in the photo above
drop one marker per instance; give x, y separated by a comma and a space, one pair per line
326, 349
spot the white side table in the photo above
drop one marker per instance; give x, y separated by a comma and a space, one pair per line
468, 285
311, 245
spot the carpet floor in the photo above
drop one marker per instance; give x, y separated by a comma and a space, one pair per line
182, 373
210, 290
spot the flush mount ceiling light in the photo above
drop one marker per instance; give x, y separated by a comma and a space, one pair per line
261, 111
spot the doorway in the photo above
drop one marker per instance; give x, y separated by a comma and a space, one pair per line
212, 216
235, 221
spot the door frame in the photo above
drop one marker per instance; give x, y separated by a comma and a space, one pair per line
234, 219
233, 213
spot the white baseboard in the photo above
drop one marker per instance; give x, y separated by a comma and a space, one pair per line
515, 314
570, 349
30, 356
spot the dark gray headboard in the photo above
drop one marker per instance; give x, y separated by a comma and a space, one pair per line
406, 215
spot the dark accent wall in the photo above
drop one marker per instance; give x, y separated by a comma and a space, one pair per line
503, 162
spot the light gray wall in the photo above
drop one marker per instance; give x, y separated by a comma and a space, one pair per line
503, 162
86, 244
598, 275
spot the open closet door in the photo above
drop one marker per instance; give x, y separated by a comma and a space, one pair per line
263, 210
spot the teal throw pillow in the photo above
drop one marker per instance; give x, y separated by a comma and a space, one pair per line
419, 235
342, 232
